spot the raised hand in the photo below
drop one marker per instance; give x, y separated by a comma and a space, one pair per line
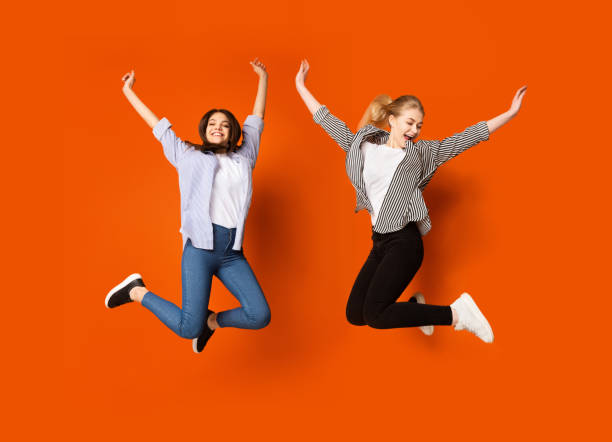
259, 67
128, 80
139, 106
300, 78
517, 100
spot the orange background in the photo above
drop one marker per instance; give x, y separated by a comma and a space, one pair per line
520, 221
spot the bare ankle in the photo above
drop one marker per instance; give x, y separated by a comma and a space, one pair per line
137, 293
212, 321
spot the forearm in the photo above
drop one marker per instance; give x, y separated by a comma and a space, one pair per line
140, 107
259, 108
311, 102
497, 122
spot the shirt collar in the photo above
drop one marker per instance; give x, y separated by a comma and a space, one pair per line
381, 136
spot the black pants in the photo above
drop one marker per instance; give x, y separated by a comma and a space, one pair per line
391, 265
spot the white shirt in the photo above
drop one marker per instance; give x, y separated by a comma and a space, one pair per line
380, 162
227, 194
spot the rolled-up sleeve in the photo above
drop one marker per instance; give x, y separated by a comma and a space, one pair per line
335, 128
173, 146
452, 146
251, 136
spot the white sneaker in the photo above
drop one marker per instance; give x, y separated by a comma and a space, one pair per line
471, 319
427, 329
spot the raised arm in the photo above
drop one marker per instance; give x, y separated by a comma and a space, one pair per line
259, 108
253, 125
497, 122
139, 106
311, 103
335, 127
452, 146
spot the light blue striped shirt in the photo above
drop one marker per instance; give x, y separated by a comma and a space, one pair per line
196, 172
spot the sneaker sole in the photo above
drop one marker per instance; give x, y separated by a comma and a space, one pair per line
426, 329
194, 345
476, 311
125, 282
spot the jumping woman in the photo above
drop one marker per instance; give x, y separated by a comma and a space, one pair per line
215, 181
389, 171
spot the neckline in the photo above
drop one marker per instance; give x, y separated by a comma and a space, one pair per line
391, 147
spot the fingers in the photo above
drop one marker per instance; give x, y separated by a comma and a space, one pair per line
257, 64
304, 67
128, 76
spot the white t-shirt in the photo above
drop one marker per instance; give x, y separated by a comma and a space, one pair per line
227, 194
380, 162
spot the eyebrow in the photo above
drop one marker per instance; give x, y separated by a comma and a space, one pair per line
222, 121
410, 118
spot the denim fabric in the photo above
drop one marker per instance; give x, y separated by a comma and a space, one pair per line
198, 268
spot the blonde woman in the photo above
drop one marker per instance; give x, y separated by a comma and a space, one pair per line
389, 171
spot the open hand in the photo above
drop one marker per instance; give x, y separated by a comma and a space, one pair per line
128, 80
259, 67
517, 100
300, 78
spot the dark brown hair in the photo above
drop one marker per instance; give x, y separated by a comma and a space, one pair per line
235, 133
382, 106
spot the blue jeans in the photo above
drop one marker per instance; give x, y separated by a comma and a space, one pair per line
198, 267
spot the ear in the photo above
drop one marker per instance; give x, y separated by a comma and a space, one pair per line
391, 120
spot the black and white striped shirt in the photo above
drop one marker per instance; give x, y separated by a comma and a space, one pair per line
403, 202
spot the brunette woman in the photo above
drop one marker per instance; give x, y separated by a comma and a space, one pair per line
215, 181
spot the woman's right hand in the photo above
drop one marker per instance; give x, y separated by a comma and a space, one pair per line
128, 80
300, 78
146, 114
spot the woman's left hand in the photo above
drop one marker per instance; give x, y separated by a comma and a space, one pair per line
517, 100
259, 68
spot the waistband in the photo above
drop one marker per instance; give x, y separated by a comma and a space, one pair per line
221, 229
410, 228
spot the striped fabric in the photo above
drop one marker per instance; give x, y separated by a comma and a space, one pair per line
196, 172
403, 202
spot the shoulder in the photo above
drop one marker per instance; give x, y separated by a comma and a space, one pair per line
253, 121
373, 134
423, 145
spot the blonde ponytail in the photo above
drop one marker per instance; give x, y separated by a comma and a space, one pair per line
382, 106
376, 113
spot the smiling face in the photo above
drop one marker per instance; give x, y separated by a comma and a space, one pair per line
405, 126
218, 129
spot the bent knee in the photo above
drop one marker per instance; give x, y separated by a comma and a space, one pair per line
372, 319
355, 319
190, 330
259, 319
